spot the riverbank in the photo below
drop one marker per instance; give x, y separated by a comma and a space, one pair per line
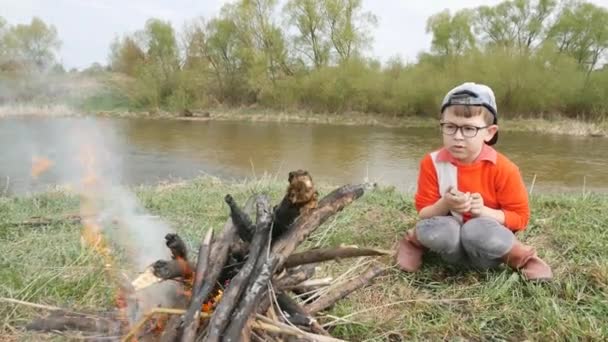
570, 232
548, 125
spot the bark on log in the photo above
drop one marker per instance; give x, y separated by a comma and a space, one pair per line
293, 276
305, 225
222, 313
177, 246
244, 226
294, 312
172, 269
219, 255
298, 314
69, 321
344, 290
192, 317
289, 277
324, 254
245, 310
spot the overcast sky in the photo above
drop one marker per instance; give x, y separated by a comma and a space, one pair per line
87, 27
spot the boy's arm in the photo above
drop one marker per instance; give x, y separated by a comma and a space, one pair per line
439, 208
513, 199
498, 215
428, 201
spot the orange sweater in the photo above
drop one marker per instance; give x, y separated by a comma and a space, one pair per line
492, 175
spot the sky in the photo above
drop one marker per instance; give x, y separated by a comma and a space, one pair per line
87, 27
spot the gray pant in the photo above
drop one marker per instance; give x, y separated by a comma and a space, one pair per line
480, 242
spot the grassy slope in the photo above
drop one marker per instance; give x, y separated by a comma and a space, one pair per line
46, 265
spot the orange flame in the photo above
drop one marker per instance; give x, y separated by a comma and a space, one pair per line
40, 165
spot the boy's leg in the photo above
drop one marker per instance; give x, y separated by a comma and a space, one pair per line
488, 244
441, 234
486, 241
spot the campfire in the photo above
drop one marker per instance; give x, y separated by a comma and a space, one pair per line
246, 283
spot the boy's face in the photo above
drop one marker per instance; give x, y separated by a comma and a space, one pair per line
462, 144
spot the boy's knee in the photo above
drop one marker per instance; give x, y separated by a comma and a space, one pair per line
440, 234
486, 237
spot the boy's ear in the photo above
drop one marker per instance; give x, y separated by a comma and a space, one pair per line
491, 131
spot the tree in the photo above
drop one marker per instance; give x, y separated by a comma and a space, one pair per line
126, 55
3, 45
34, 46
451, 34
348, 27
582, 32
517, 23
312, 40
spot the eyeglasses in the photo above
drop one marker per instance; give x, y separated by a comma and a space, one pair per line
467, 131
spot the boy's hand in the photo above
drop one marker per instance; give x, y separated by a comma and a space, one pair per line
476, 204
458, 201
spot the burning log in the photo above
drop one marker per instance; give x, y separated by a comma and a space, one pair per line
252, 297
219, 255
177, 246
219, 320
244, 227
192, 318
249, 263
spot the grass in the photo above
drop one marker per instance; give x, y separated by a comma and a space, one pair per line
46, 265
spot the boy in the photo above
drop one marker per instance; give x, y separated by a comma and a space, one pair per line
470, 198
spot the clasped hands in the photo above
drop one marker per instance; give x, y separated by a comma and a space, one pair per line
464, 202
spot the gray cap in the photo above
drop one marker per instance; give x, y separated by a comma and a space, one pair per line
473, 94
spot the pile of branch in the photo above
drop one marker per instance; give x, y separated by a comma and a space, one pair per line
260, 278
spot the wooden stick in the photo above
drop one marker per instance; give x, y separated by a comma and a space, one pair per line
63, 321
177, 246
192, 317
305, 225
245, 309
309, 285
222, 313
344, 290
266, 324
293, 276
295, 310
244, 226
219, 255
324, 254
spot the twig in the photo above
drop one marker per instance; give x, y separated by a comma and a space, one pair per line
310, 285
454, 300
149, 315
266, 324
343, 278
33, 305
344, 290
533, 182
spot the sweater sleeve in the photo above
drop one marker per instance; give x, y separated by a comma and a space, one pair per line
427, 192
513, 198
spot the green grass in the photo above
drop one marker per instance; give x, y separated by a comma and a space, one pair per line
46, 265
